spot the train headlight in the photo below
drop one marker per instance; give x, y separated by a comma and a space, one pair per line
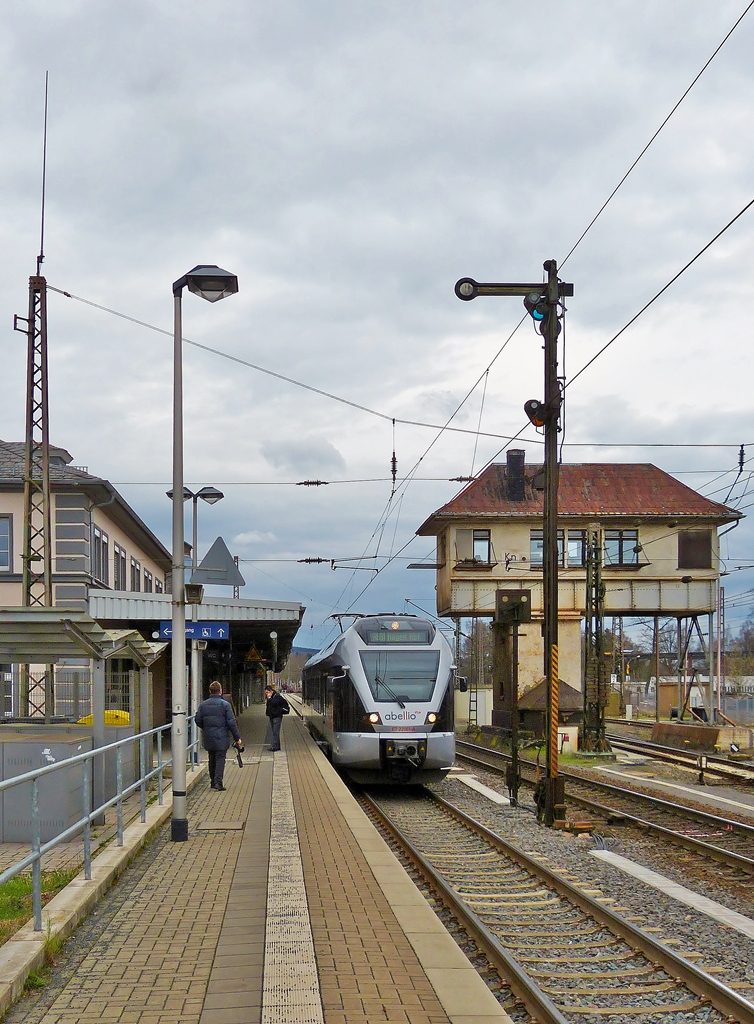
374, 718
431, 718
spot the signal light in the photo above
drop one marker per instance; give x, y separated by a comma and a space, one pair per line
431, 718
374, 718
536, 306
467, 289
536, 411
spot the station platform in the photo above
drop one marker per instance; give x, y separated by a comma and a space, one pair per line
285, 905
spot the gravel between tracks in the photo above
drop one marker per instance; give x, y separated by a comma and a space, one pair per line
719, 946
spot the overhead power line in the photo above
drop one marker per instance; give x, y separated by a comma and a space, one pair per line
386, 416
662, 290
673, 109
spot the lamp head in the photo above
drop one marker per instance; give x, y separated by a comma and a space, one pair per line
186, 494
210, 494
209, 281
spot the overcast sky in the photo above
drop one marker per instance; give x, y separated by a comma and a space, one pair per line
349, 162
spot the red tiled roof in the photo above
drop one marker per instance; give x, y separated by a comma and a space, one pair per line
590, 489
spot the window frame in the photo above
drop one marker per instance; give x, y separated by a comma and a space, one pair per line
7, 517
148, 580
100, 555
120, 564
135, 575
158, 586
538, 563
627, 540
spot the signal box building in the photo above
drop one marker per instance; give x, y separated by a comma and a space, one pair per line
660, 549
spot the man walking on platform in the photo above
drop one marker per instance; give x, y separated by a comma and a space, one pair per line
277, 706
215, 718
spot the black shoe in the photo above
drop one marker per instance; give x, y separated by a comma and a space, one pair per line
220, 789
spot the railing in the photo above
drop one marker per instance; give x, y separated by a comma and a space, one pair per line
89, 815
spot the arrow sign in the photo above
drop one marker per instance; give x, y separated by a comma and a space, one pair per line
218, 567
198, 631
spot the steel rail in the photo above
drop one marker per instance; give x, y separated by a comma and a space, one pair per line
705, 816
718, 853
723, 998
523, 986
738, 771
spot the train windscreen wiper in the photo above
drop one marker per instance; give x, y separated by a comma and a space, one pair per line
381, 682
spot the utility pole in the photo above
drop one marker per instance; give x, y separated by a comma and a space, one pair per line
543, 303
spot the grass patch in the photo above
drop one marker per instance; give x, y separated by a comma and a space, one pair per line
16, 899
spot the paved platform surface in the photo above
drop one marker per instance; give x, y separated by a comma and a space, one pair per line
284, 905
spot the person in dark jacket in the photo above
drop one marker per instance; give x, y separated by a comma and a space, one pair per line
277, 706
215, 718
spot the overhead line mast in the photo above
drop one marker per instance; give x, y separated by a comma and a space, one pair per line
38, 695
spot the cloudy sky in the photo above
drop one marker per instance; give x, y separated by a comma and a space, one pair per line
349, 161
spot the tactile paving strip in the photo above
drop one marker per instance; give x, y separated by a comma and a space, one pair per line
291, 987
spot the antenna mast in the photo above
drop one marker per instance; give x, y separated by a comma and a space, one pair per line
37, 553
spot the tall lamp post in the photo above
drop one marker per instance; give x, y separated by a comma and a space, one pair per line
211, 495
212, 284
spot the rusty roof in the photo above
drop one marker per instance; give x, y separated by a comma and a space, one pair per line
535, 698
588, 489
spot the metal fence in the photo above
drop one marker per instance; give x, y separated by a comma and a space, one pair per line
147, 772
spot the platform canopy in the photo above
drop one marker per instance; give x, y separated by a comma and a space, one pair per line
45, 636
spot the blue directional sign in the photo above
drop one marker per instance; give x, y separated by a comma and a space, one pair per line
198, 631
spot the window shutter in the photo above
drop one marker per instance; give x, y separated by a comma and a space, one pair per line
464, 545
695, 549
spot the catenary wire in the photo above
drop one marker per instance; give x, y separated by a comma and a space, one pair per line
673, 109
662, 290
376, 412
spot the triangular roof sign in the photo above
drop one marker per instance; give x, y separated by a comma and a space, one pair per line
217, 567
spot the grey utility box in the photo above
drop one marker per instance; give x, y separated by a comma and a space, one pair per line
60, 792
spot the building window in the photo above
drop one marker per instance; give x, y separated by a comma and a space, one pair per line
6, 543
694, 549
621, 547
119, 566
158, 586
147, 582
135, 575
100, 556
576, 548
537, 548
474, 546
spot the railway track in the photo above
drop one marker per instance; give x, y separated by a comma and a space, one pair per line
739, 773
712, 837
563, 952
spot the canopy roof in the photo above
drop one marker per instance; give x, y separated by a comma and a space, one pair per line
43, 636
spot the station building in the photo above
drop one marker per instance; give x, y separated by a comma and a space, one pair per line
660, 549
108, 566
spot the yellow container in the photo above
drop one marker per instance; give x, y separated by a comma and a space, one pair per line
111, 718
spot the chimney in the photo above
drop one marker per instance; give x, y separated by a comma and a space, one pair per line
515, 475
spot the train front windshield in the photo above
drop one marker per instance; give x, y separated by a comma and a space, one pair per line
401, 675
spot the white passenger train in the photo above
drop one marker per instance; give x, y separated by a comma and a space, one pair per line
379, 700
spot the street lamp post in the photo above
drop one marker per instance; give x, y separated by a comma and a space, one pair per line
274, 638
211, 495
212, 284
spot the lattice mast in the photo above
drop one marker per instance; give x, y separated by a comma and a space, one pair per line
37, 553
37, 694
594, 736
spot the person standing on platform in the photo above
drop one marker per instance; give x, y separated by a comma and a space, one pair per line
277, 706
215, 718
